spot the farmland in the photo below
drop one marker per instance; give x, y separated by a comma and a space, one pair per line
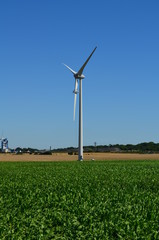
79, 200
56, 157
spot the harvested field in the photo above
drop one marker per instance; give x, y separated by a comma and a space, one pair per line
65, 157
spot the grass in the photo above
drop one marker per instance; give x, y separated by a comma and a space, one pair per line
79, 200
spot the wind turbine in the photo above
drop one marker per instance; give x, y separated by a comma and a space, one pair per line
78, 79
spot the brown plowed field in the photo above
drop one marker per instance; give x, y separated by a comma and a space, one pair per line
65, 157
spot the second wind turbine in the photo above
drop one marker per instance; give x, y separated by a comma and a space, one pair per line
78, 78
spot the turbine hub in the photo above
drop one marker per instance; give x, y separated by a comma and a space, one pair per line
75, 91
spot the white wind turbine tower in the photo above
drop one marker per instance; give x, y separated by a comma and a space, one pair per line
78, 78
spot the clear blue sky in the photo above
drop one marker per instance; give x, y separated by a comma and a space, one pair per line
120, 91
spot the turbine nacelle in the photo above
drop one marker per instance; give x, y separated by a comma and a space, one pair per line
77, 76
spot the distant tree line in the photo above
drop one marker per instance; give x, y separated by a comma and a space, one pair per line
146, 147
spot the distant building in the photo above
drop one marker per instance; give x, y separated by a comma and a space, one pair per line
4, 145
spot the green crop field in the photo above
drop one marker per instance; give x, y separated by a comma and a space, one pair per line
79, 200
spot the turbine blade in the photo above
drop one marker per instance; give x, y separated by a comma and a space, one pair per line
69, 68
74, 112
82, 68
75, 98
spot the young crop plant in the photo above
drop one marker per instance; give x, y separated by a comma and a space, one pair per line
86, 200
